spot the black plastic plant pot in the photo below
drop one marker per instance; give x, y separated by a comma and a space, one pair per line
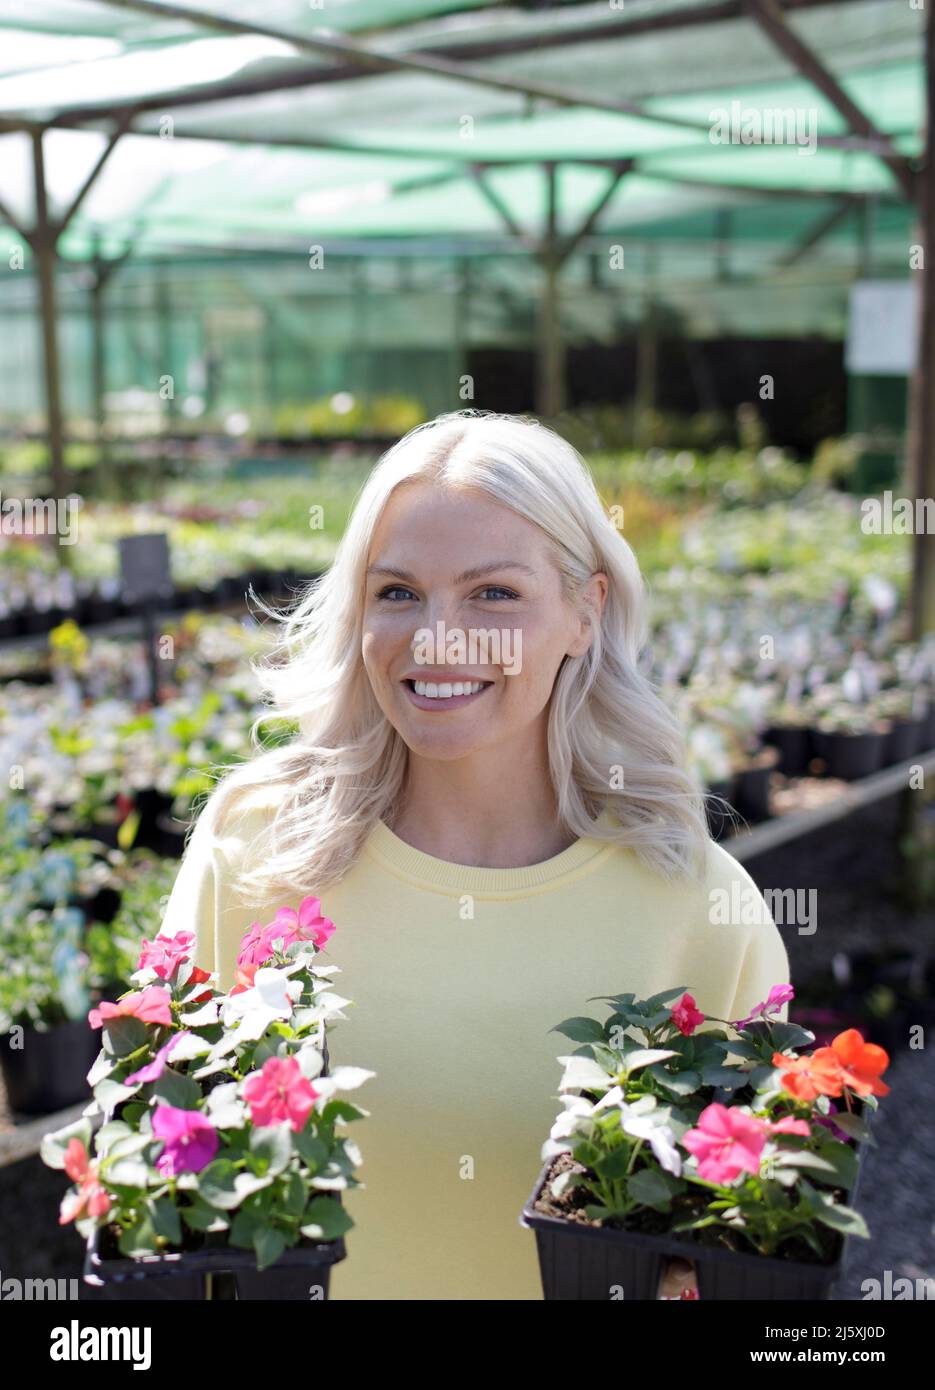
852, 756
752, 793
794, 745
904, 740
591, 1263
301, 1274
50, 1071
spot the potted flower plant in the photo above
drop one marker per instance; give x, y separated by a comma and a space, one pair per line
740, 1154
220, 1147
59, 958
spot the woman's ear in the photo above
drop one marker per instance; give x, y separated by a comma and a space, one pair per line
591, 602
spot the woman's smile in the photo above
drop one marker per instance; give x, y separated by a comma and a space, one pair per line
444, 691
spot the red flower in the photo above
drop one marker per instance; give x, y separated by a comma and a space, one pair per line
862, 1063
686, 1016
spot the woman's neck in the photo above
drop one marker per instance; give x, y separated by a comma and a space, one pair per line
493, 813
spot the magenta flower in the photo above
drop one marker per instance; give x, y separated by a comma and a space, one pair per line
778, 995
165, 953
154, 1069
829, 1124
191, 1141
686, 1016
254, 947
279, 1092
726, 1143
305, 925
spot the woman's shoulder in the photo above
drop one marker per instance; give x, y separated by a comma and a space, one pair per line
234, 813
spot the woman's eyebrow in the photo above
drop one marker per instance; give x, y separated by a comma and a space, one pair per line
476, 573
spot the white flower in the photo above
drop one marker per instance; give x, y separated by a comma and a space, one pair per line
271, 997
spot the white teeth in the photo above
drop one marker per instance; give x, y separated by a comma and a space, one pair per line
447, 689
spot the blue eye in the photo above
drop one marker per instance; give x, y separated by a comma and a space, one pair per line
393, 589
499, 590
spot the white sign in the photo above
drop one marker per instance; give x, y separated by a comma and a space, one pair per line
881, 332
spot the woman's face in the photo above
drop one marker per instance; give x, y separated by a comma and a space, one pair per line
463, 591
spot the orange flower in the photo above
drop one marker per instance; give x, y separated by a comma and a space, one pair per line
862, 1063
820, 1074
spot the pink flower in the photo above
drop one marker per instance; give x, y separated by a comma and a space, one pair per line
165, 953
789, 1125
305, 925
154, 1069
191, 1141
686, 1016
91, 1198
279, 1092
254, 948
726, 1143
778, 995
150, 1005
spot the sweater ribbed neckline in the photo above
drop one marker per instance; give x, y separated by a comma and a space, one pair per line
419, 867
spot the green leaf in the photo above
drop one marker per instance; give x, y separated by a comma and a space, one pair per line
139, 1239
294, 1198
165, 1219
271, 1148
124, 1034
178, 1090
269, 1245
649, 1188
246, 1184
841, 1218
109, 1094
200, 1217
681, 1083
216, 1185
325, 1219
580, 1030
126, 1172
312, 1150
244, 1228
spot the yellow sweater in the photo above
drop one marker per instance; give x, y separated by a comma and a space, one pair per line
457, 975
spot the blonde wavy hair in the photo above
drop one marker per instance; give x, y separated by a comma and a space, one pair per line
345, 768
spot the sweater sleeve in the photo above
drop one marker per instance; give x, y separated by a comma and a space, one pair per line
193, 901
763, 960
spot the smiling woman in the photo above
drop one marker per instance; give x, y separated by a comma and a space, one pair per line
491, 801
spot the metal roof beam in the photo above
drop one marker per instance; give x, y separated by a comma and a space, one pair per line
771, 18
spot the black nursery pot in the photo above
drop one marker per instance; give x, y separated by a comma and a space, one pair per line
50, 1071
302, 1274
794, 745
589, 1263
751, 796
851, 756
903, 741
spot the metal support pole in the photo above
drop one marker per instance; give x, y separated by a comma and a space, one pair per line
550, 395
921, 452
43, 246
